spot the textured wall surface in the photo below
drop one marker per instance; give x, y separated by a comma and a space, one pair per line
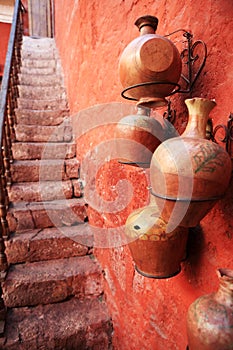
5, 32
147, 314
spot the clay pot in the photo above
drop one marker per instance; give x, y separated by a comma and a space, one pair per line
210, 317
189, 174
138, 135
156, 254
147, 59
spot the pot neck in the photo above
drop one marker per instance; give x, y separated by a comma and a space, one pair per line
147, 24
225, 291
199, 109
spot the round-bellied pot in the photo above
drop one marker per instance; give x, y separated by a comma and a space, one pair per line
189, 173
210, 317
138, 135
152, 60
156, 253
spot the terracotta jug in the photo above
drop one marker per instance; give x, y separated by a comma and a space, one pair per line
189, 174
152, 60
138, 135
156, 254
210, 317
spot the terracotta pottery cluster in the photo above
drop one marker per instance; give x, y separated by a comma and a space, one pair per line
210, 317
188, 173
150, 66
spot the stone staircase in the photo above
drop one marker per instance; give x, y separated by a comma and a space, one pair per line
54, 287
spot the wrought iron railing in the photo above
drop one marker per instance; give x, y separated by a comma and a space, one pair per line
8, 104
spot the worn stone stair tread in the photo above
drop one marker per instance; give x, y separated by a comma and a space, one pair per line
73, 324
44, 191
44, 169
42, 117
42, 93
40, 80
41, 42
30, 50
55, 203
50, 243
22, 215
48, 104
39, 63
51, 281
42, 133
38, 70
40, 150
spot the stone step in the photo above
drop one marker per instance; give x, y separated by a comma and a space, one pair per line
40, 71
41, 133
30, 43
40, 117
29, 216
40, 80
36, 150
71, 325
44, 170
52, 281
43, 53
42, 92
47, 104
44, 191
42, 63
49, 243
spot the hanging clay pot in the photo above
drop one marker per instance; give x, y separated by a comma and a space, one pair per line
138, 135
210, 317
189, 174
152, 60
156, 254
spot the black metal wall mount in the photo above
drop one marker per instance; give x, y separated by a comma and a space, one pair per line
194, 54
224, 134
197, 53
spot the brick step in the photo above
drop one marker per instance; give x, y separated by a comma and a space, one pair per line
40, 80
44, 170
49, 243
36, 150
41, 133
73, 324
40, 117
42, 63
35, 71
29, 216
52, 281
42, 92
48, 104
44, 191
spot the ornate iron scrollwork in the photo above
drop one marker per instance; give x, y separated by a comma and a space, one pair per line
224, 134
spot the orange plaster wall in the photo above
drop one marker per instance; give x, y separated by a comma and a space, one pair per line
5, 32
148, 314
5, 29
25, 18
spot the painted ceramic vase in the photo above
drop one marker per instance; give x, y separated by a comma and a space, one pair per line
189, 174
138, 135
156, 253
148, 59
210, 317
